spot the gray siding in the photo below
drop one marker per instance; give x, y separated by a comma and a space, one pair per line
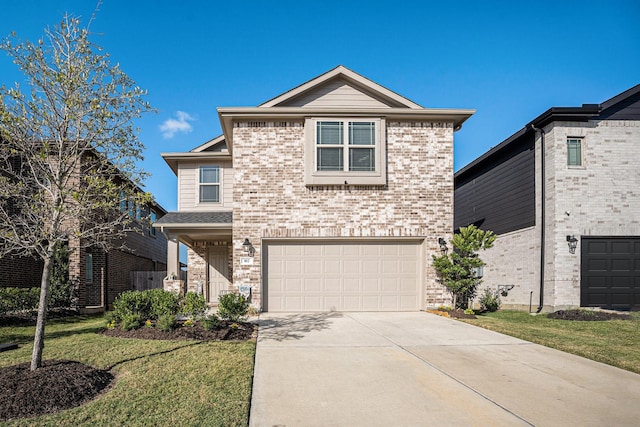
337, 94
629, 109
499, 193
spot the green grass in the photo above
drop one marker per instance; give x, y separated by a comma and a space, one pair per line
158, 383
614, 342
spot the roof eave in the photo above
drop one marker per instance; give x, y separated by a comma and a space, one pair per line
199, 226
172, 159
227, 115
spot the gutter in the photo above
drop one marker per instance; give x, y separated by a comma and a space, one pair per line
542, 214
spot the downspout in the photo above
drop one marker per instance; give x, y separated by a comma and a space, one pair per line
542, 214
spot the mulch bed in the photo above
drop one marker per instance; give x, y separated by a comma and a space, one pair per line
587, 315
57, 385
242, 331
65, 384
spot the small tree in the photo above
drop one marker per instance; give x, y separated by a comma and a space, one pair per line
458, 270
68, 152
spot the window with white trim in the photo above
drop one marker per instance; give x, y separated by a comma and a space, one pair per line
345, 151
574, 151
209, 184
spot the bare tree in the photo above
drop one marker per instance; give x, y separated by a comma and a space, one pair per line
69, 152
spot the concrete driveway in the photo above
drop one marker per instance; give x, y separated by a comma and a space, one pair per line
419, 369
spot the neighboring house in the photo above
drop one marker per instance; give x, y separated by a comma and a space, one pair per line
331, 196
590, 200
100, 276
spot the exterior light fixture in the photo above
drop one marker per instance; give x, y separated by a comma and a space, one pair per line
248, 248
573, 243
443, 245
504, 289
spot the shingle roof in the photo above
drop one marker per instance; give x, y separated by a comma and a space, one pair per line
196, 218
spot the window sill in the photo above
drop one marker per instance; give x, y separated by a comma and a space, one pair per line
345, 179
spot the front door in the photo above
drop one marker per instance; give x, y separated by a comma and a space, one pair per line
218, 279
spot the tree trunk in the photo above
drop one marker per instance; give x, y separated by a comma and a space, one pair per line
38, 341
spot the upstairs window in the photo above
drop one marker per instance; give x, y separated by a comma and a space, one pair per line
345, 152
574, 152
209, 184
153, 218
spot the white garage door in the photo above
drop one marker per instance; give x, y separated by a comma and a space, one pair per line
342, 276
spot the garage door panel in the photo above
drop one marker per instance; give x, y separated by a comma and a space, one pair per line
408, 301
622, 247
312, 284
610, 272
312, 266
292, 285
292, 267
351, 284
348, 276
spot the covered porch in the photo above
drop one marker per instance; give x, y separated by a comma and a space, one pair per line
207, 237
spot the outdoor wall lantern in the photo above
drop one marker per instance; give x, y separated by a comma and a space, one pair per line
504, 289
248, 248
573, 243
443, 245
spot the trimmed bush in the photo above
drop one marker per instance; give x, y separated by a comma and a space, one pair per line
193, 305
162, 302
19, 299
489, 301
149, 304
166, 322
233, 307
132, 302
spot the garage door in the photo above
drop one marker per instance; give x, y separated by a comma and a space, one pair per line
610, 273
342, 276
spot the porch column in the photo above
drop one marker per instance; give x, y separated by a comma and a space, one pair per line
173, 257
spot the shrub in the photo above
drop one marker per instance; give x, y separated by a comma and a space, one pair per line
63, 294
162, 302
19, 299
489, 301
233, 307
132, 302
149, 304
166, 322
130, 321
211, 322
193, 305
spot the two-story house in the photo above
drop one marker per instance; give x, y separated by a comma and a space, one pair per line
331, 196
563, 194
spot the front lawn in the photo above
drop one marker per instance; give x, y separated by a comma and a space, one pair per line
158, 383
614, 342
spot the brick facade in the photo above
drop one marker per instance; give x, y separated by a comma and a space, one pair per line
272, 201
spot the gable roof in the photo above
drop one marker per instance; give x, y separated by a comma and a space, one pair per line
333, 79
339, 92
627, 99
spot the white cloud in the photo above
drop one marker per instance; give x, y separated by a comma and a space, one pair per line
181, 124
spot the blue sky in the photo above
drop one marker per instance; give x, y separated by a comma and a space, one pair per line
509, 60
